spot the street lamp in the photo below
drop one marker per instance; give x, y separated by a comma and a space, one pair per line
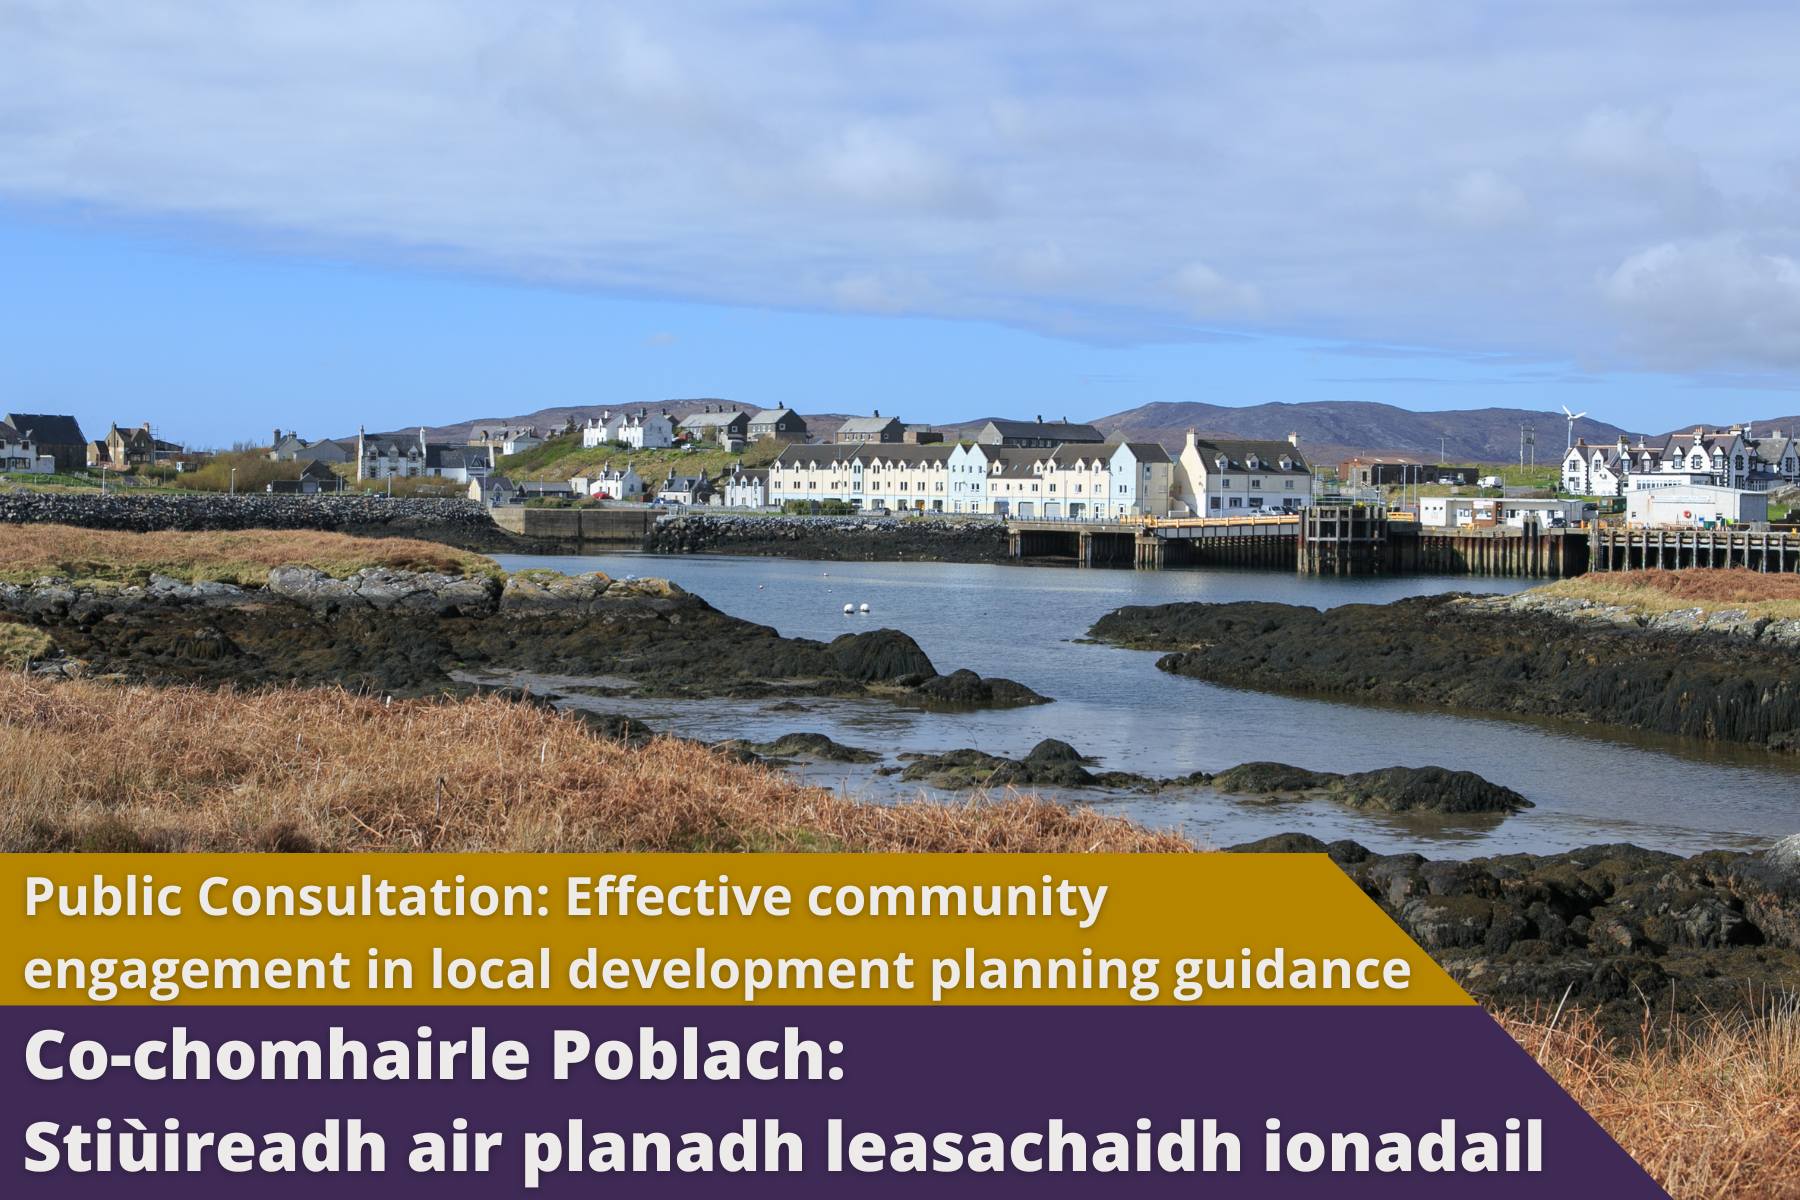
233, 491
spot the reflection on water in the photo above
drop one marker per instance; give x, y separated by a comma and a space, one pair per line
1113, 704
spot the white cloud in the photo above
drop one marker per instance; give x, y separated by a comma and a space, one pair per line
1130, 170
1713, 301
1480, 199
1209, 295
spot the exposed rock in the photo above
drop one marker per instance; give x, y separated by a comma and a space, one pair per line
869, 538
815, 745
1617, 928
880, 655
1717, 679
405, 632
966, 689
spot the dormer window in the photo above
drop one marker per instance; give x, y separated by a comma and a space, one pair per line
1221, 462
1253, 462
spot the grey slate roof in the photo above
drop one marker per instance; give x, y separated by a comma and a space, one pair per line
48, 428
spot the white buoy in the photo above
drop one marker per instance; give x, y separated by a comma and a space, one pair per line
848, 609
865, 608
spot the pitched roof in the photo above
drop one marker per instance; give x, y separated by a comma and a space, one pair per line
1149, 451
48, 428
1061, 431
867, 424
707, 420
1238, 451
907, 452
769, 416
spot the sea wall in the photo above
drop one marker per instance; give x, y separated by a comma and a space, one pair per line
927, 539
458, 522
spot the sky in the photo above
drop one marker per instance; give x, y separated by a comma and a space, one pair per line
223, 218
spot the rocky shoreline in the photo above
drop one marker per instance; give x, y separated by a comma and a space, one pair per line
461, 523
1718, 678
833, 539
412, 633
1436, 791
1623, 932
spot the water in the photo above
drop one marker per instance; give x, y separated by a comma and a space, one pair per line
1023, 623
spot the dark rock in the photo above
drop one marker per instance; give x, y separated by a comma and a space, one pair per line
1457, 652
815, 745
880, 655
966, 689
1425, 789
1269, 777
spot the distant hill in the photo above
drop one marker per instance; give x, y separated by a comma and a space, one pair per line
1332, 429
1329, 430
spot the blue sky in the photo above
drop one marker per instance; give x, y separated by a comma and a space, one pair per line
222, 218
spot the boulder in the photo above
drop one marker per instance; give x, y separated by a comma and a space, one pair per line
880, 656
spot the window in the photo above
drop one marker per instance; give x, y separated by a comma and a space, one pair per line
1237, 502
1290, 485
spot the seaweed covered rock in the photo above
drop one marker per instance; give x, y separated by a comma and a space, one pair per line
1613, 928
966, 689
1695, 680
880, 655
815, 745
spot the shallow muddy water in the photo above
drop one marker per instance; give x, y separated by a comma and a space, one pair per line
1025, 624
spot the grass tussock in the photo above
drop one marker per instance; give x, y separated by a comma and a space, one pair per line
244, 557
1775, 596
1711, 1112
22, 645
93, 766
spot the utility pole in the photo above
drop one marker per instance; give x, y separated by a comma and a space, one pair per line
1440, 449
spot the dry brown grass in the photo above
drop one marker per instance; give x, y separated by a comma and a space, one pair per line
98, 767
1773, 595
21, 645
1712, 1112
106, 556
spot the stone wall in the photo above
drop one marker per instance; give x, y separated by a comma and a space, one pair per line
461, 522
931, 539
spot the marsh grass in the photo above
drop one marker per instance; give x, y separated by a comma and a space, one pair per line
1776, 596
1711, 1109
98, 556
94, 766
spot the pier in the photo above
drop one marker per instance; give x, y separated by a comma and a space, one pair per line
1325, 539
1623, 548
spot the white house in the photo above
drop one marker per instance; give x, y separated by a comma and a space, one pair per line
1141, 476
402, 456
1236, 478
18, 452
611, 483
1597, 470
747, 488
517, 441
1656, 500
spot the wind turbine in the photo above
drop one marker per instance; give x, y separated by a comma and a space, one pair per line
1573, 417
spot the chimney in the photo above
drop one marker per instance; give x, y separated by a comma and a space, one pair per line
1294, 439
277, 435
1040, 418
1190, 441
878, 412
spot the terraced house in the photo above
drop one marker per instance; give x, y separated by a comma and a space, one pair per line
869, 475
1233, 477
1729, 458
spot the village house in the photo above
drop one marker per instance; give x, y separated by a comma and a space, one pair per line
493, 490
859, 431
289, 446
783, 423
1078, 481
1234, 477
1037, 434
726, 427
545, 489
18, 452
134, 447
54, 434
1015, 480
1729, 458
406, 456
1141, 479
1400, 472
610, 483
900, 477
641, 430
747, 487
684, 489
